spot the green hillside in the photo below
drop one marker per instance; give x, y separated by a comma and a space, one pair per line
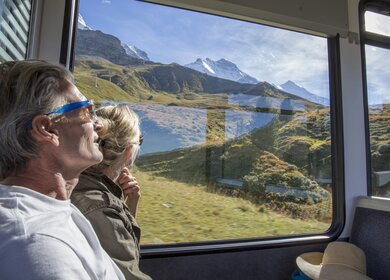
172, 211
380, 135
252, 159
305, 142
290, 139
174, 78
171, 84
101, 80
379, 120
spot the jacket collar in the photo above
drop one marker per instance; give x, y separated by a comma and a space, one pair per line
99, 181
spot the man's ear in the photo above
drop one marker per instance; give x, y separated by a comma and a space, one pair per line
42, 130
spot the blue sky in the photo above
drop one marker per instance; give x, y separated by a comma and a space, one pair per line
378, 61
174, 35
378, 74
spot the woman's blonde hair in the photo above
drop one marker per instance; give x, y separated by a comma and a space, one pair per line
121, 129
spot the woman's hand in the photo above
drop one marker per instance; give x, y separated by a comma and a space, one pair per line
130, 188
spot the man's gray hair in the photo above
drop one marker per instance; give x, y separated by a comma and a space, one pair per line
27, 89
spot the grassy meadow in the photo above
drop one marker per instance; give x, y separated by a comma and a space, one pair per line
172, 211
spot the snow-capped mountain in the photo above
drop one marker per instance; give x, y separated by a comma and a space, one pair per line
293, 88
222, 69
133, 51
81, 24
130, 50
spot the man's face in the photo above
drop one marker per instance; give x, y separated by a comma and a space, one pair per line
78, 148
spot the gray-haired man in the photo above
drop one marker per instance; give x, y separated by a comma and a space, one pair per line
47, 138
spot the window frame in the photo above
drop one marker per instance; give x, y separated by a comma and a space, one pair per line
337, 154
31, 28
376, 40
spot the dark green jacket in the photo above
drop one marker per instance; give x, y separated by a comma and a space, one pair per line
101, 201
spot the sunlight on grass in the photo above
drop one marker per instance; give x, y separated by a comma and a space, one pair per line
173, 212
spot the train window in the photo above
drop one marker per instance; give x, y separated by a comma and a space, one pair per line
377, 23
14, 29
235, 116
376, 39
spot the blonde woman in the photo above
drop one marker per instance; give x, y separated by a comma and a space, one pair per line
107, 194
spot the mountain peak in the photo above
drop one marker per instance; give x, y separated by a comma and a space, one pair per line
133, 51
221, 68
224, 61
81, 24
297, 90
290, 84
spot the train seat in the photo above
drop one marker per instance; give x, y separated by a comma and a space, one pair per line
370, 231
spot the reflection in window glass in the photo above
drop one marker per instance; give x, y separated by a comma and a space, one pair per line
377, 23
14, 28
235, 117
378, 85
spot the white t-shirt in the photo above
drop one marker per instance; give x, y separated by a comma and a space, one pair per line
45, 238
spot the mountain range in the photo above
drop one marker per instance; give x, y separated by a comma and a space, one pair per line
118, 51
178, 80
127, 54
98, 44
226, 69
222, 68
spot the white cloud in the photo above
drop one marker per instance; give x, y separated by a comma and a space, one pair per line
378, 75
377, 23
106, 1
377, 61
276, 55
269, 54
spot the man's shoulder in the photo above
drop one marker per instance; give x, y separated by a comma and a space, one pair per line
24, 216
24, 258
29, 246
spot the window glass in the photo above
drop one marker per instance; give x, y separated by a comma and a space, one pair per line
377, 23
14, 28
378, 85
235, 117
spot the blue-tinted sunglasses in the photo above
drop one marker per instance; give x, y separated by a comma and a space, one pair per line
70, 107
